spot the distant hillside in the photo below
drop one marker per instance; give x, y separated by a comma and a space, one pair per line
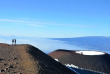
26, 59
99, 43
88, 60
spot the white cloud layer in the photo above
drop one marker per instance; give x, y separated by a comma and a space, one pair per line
44, 44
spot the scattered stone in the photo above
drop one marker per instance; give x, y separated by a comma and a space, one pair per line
6, 68
5, 64
2, 70
1, 59
11, 66
15, 58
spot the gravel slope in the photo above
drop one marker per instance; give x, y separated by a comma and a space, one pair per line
26, 59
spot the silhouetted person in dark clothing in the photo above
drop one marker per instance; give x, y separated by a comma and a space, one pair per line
12, 41
15, 41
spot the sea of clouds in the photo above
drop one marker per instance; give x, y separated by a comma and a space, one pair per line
44, 44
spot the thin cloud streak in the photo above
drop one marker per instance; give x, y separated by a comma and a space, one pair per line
40, 24
80, 25
31, 23
19, 21
34, 25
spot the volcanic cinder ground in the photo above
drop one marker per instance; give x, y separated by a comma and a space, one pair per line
26, 59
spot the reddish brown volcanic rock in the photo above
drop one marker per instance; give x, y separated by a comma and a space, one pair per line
26, 59
100, 63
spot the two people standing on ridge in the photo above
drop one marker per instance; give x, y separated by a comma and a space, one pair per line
13, 41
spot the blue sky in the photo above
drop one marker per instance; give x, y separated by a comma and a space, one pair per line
55, 18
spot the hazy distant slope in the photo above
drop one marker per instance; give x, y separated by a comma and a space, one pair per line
93, 42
